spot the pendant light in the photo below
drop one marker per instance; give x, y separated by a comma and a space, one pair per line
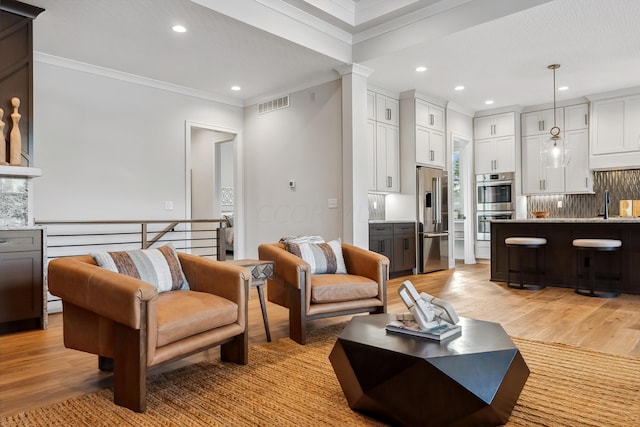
555, 150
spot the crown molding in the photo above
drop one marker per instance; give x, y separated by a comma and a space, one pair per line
132, 78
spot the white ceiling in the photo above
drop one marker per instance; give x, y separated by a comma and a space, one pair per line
497, 49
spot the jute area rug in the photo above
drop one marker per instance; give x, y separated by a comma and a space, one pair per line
286, 384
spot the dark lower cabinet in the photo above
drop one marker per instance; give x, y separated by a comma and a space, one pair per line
404, 247
21, 280
396, 241
381, 240
559, 257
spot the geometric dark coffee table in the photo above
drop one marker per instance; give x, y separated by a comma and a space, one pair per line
471, 379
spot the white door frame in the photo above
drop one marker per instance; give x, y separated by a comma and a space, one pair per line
238, 217
466, 155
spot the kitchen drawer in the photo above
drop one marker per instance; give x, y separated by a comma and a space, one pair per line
380, 229
20, 240
408, 228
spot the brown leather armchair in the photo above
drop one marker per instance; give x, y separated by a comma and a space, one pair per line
132, 327
314, 296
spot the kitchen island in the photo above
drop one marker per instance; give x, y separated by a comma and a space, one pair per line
559, 254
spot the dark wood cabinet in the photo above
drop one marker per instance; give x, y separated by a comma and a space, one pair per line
396, 241
559, 259
404, 246
16, 69
21, 280
381, 240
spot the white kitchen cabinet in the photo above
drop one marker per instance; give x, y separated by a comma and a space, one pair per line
495, 144
430, 147
576, 117
422, 129
615, 133
387, 158
387, 110
494, 126
383, 157
495, 155
383, 143
578, 176
536, 178
541, 122
429, 115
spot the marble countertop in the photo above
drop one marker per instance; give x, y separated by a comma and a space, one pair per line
21, 227
612, 219
391, 221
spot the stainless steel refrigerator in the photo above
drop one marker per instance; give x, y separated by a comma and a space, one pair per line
433, 220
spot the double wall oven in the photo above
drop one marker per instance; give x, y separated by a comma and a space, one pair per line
495, 197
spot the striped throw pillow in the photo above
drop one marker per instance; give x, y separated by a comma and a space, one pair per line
324, 258
159, 267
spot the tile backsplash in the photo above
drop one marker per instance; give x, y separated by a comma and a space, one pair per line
376, 206
622, 185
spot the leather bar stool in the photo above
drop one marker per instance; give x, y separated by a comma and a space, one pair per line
522, 244
586, 259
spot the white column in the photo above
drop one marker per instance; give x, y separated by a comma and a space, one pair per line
355, 212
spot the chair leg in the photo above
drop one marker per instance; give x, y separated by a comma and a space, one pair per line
105, 364
297, 318
236, 350
130, 366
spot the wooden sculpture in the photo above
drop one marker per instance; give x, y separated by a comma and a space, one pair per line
3, 142
15, 140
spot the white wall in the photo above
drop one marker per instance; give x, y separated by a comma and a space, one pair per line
301, 143
110, 148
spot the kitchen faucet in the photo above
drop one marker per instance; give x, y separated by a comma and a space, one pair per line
607, 200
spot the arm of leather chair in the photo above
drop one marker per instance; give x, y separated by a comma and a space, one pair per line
79, 281
215, 277
287, 267
365, 263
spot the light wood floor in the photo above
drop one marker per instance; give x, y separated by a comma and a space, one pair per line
36, 369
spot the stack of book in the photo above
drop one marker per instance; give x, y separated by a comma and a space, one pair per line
439, 331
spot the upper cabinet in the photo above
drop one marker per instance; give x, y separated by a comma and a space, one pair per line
541, 122
615, 133
383, 143
497, 125
428, 124
16, 22
387, 110
576, 117
429, 116
536, 126
495, 143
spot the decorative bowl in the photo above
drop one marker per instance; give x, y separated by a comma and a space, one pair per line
540, 214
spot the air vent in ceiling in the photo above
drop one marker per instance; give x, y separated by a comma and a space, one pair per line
274, 104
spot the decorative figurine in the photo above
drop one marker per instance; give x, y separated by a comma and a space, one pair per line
15, 139
3, 142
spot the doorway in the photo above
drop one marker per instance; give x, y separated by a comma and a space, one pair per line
212, 184
462, 199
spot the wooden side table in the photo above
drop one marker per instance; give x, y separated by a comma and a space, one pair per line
260, 272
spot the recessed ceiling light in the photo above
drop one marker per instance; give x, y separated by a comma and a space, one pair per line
421, 69
179, 29
459, 87
236, 88
488, 102
563, 88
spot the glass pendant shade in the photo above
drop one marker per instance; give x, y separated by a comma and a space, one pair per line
555, 152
